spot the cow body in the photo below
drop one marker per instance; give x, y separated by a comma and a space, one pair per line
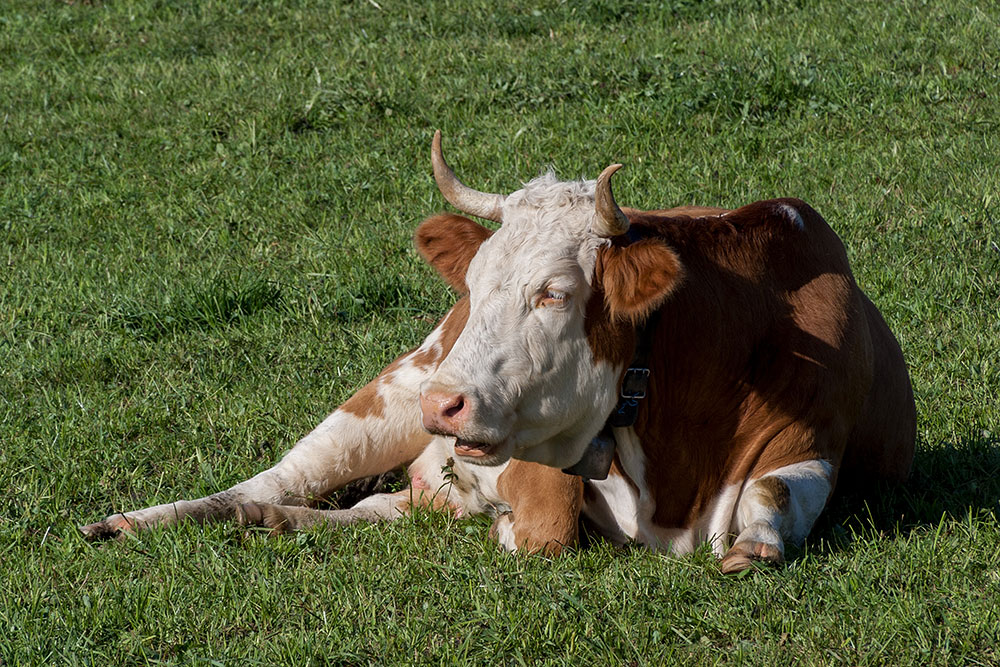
771, 376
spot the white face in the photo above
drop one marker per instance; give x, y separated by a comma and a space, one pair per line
529, 384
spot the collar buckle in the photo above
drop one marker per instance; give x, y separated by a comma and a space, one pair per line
634, 383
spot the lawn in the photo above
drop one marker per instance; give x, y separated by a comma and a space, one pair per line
206, 212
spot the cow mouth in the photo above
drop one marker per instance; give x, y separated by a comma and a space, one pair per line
474, 449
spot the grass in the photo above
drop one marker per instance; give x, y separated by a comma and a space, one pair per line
205, 220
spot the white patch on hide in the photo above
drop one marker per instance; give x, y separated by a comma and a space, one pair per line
792, 214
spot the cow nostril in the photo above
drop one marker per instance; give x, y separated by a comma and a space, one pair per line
457, 405
444, 411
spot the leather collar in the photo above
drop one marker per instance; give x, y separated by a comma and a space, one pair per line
597, 458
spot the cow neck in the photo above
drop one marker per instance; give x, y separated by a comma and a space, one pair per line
597, 458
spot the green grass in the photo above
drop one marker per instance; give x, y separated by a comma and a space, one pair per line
205, 220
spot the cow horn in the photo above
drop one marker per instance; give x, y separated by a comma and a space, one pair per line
610, 220
480, 204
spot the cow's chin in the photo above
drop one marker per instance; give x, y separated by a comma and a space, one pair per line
536, 445
559, 452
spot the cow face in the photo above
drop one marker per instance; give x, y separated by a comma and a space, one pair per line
527, 377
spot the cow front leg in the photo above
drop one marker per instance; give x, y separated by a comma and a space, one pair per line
302, 477
778, 507
375, 431
545, 508
379, 507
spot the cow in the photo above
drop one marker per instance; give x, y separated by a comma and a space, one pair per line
667, 377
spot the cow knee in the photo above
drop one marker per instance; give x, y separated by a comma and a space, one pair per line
266, 515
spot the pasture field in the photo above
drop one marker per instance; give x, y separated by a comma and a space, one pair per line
205, 220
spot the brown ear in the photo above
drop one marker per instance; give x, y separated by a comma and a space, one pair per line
637, 278
449, 242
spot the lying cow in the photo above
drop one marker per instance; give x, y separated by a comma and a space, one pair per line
743, 370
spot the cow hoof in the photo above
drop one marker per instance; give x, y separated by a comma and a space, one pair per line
502, 531
113, 527
742, 555
263, 514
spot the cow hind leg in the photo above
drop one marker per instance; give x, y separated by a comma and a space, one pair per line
778, 507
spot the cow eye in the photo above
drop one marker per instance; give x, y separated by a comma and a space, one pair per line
550, 297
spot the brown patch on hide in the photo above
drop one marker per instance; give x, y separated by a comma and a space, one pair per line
449, 242
546, 505
451, 328
428, 358
366, 402
773, 493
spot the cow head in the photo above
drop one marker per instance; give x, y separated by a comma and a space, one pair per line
554, 301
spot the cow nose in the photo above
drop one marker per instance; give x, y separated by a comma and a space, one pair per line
443, 412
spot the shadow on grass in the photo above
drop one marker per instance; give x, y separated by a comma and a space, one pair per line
219, 303
948, 481
358, 490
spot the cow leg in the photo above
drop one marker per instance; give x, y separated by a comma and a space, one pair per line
545, 508
437, 482
286, 483
379, 507
780, 506
375, 431
343, 448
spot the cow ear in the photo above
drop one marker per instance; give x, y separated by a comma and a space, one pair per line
637, 278
449, 242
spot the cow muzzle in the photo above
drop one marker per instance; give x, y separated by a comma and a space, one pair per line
449, 413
